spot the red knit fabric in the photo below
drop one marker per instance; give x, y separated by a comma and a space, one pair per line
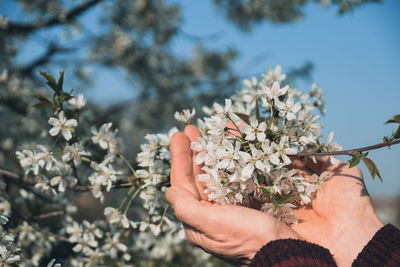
291, 253
382, 250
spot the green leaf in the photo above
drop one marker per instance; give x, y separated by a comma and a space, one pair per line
264, 190
64, 96
41, 98
51, 81
285, 199
60, 80
354, 161
372, 168
243, 116
396, 134
394, 119
43, 104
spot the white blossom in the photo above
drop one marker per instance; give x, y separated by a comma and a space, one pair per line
255, 130
63, 125
288, 108
78, 102
114, 245
185, 115
274, 75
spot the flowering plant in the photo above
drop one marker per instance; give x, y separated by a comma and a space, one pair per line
245, 153
246, 146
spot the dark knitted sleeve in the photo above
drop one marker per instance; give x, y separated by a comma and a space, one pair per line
292, 252
382, 250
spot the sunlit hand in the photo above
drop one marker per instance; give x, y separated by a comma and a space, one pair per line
341, 217
233, 233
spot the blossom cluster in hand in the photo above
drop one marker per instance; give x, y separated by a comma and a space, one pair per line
247, 144
245, 154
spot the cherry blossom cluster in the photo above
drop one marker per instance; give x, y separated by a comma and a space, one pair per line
91, 157
246, 146
245, 154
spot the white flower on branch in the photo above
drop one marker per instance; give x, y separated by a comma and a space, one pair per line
274, 92
78, 102
113, 245
63, 125
254, 130
274, 75
28, 161
104, 174
45, 157
288, 108
114, 216
74, 152
85, 244
63, 178
185, 115
105, 137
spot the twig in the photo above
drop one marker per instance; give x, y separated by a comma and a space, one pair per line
19, 180
349, 152
27, 182
48, 215
25, 28
33, 223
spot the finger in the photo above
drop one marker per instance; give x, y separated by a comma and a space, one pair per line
193, 133
187, 207
181, 164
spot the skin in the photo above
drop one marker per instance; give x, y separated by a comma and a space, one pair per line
340, 218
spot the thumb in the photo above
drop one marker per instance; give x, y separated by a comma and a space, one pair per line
187, 207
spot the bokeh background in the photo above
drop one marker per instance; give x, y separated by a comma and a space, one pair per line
139, 61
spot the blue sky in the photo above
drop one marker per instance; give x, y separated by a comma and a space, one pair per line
356, 59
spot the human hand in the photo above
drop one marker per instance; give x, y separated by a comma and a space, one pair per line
233, 233
341, 217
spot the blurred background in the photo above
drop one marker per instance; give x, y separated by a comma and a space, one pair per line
139, 61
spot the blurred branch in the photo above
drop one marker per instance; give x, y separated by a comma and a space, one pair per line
20, 181
52, 49
14, 104
48, 215
27, 182
32, 221
26, 28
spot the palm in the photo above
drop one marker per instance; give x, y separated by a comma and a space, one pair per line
342, 201
341, 218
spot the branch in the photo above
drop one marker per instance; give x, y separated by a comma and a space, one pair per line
48, 215
43, 59
32, 222
349, 152
27, 182
25, 28
21, 181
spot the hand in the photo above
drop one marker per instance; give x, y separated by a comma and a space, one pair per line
341, 217
233, 233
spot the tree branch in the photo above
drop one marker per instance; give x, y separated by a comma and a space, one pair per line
43, 59
26, 182
349, 152
26, 28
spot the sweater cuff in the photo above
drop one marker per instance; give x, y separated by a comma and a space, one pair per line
292, 252
382, 249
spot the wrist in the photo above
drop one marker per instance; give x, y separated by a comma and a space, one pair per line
355, 236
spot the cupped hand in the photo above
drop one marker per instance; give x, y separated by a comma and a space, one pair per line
341, 217
233, 233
